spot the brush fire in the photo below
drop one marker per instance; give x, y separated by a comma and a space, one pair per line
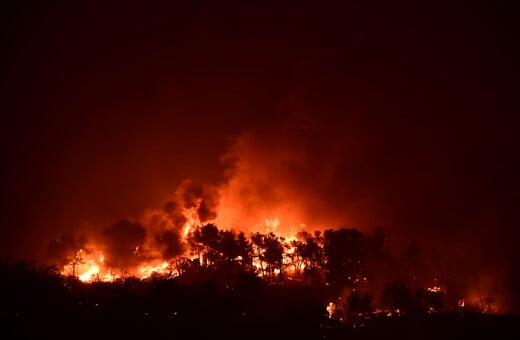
182, 239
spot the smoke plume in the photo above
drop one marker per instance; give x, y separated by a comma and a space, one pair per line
122, 241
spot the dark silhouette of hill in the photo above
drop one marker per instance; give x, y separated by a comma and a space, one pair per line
40, 303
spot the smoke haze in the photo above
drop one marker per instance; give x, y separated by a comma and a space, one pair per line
399, 117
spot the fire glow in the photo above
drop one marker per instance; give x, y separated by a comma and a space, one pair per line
274, 246
89, 265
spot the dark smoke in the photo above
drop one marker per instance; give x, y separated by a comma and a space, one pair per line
344, 152
164, 228
174, 211
205, 196
63, 250
167, 225
122, 241
171, 244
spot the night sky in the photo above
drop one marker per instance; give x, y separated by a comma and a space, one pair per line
396, 115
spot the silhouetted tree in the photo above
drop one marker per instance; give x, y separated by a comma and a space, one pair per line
269, 251
296, 258
309, 249
245, 251
257, 240
377, 251
228, 247
68, 250
206, 238
345, 253
396, 295
424, 300
410, 258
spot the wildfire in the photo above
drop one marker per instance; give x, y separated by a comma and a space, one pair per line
276, 257
192, 217
86, 266
147, 271
92, 271
481, 301
89, 265
272, 224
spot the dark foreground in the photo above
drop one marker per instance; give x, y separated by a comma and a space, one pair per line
436, 326
218, 324
54, 307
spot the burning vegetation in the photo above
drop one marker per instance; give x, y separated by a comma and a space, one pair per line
182, 242
191, 264
168, 273
241, 251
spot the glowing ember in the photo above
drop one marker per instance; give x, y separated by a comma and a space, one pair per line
435, 289
331, 308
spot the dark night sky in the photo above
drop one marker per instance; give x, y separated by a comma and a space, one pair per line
409, 109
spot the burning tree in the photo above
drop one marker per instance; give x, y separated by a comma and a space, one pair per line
68, 251
204, 241
344, 259
309, 254
345, 250
269, 251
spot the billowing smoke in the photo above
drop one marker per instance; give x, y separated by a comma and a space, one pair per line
172, 244
319, 160
203, 197
156, 234
259, 178
287, 176
364, 161
174, 211
121, 242
164, 229
338, 155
